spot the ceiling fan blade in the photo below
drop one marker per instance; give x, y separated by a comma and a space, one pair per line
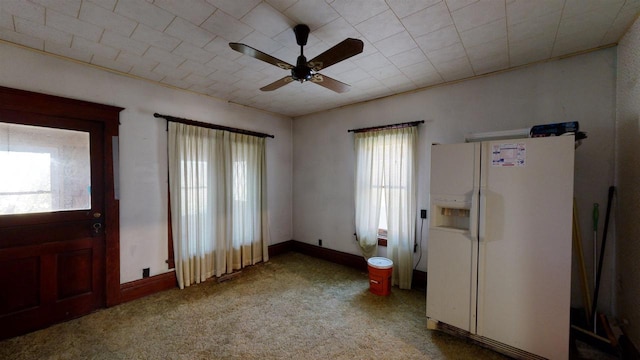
277, 84
329, 83
248, 50
344, 50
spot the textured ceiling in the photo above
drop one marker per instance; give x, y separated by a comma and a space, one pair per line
408, 44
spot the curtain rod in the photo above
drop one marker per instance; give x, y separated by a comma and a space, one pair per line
211, 126
384, 127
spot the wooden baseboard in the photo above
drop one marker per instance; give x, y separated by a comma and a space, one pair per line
140, 288
280, 248
419, 280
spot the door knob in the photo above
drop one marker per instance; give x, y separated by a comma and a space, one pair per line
96, 215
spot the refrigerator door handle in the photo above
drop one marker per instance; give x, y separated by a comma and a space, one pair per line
482, 227
473, 223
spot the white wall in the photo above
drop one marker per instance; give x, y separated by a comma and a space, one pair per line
143, 146
575, 89
628, 178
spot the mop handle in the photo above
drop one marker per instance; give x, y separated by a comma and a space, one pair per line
596, 215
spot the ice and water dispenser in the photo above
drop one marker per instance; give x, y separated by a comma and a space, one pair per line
451, 213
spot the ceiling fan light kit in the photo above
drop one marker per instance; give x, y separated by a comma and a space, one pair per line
307, 70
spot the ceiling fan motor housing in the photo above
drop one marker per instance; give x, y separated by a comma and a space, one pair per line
301, 72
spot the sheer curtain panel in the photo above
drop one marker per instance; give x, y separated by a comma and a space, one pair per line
217, 186
385, 176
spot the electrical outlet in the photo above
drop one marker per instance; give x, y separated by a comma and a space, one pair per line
319, 242
145, 272
423, 214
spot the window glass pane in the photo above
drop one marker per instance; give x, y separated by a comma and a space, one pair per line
43, 169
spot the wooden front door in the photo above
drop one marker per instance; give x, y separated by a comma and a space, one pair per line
52, 219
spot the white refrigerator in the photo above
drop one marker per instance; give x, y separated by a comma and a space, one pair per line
499, 247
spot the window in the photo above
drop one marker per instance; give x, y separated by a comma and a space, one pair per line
385, 196
216, 188
43, 169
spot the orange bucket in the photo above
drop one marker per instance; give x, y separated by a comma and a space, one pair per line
380, 270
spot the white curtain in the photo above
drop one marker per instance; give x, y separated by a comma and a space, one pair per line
385, 174
218, 201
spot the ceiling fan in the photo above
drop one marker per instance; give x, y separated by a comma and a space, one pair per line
307, 70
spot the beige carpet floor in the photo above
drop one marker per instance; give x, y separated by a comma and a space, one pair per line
292, 307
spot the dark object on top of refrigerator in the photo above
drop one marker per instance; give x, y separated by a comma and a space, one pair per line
556, 129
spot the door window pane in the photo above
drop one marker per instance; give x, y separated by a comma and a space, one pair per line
43, 169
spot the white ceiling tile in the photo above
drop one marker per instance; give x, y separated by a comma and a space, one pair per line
6, 20
62, 50
409, 57
72, 25
455, 69
109, 20
122, 42
479, 13
527, 10
249, 74
454, 5
423, 69
177, 82
169, 71
438, 39
155, 38
221, 47
485, 33
372, 62
184, 30
490, 64
110, 64
197, 69
281, 5
43, 32
146, 74
621, 24
145, 13
236, 9
223, 78
336, 31
398, 84
591, 22
267, 20
224, 64
579, 7
95, 48
163, 56
546, 25
192, 52
226, 26
496, 48
404, 8
396, 44
135, 60
261, 42
194, 11
107, 4
353, 76
203, 62
313, 13
24, 9
68, 7
357, 11
428, 20
380, 26
530, 50
22, 39
446, 54
385, 72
